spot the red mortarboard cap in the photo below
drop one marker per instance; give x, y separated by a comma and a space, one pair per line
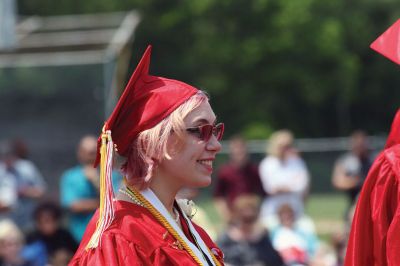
145, 102
388, 44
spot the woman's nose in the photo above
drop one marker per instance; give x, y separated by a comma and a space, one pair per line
213, 144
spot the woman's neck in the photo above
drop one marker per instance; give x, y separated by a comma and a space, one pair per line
165, 192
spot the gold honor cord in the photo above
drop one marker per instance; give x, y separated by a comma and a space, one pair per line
167, 225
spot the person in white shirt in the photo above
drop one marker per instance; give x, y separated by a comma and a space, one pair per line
284, 175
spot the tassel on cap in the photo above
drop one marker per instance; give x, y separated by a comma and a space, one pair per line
106, 209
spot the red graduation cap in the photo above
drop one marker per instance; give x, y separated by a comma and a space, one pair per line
145, 102
388, 44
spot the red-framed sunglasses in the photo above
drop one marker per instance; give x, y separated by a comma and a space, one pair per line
204, 132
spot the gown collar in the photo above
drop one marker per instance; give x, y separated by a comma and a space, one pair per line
202, 251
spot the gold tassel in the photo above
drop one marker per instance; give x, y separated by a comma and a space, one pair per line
106, 209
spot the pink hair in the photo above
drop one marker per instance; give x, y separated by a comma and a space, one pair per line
151, 145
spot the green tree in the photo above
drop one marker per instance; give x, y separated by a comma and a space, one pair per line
298, 64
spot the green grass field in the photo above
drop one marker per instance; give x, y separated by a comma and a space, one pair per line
327, 211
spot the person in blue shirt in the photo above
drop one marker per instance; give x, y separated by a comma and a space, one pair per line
80, 187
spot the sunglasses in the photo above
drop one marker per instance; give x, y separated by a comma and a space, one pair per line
204, 132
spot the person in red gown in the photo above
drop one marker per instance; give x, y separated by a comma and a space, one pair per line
375, 232
167, 131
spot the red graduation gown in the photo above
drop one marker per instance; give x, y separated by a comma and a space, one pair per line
375, 233
136, 238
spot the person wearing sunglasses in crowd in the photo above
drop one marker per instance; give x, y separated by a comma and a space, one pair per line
167, 131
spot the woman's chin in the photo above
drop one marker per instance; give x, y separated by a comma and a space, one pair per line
202, 182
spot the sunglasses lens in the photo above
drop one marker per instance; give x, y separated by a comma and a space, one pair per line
219, 131
206, 132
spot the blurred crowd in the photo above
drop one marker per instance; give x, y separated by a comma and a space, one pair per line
261, 205
264, 204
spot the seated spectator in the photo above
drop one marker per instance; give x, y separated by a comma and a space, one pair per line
58, 241
12, 250
303, 222
237, 177
296, 246
246, 241
79, 187
28, 184
284, 175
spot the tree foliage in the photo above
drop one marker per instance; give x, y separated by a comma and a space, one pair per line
268, 64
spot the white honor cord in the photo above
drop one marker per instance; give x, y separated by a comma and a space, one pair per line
153, 199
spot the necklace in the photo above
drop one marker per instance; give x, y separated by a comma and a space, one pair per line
131, 197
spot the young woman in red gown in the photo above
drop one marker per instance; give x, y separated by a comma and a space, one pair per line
168, 133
